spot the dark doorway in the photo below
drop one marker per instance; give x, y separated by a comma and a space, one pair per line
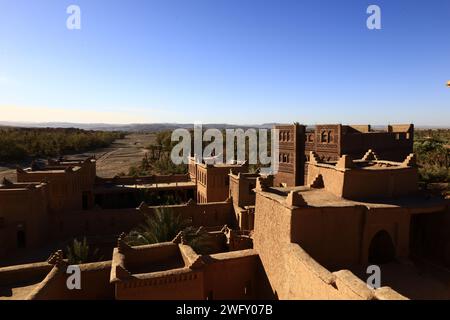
21, 239
381, 249
85, 200
427, 234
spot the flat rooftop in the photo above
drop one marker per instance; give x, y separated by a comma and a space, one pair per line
322, 198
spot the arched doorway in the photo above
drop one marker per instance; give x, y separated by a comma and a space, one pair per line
381, 249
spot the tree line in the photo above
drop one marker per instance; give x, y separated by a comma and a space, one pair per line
432, 148
22, 143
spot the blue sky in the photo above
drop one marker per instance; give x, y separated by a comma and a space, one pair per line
225, 61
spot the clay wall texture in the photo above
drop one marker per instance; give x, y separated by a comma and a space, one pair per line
293, 273
213, 182
97, 222
359, 183
291, 153
94, 284
331, 141
23, 209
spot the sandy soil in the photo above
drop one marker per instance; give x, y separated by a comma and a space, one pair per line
117, 158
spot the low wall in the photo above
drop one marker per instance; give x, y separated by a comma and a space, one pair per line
203, 214
24, 273
95, 284
232, 276
358, 183
153, 254
97, 222
309, 280
180, 284
293, 273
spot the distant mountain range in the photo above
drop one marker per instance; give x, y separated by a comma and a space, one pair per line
152, 127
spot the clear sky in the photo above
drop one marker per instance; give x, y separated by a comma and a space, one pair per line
235, 61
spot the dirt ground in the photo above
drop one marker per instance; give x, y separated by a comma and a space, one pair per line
117, 158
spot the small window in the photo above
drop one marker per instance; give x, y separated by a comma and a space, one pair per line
250, 188
324, 137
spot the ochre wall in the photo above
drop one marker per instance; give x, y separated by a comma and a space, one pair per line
205, 214
24, 273
96, 222
23, 209
180, 284
333, 179
94, 284
114, 221
294, 274
65, 188
365, 183
232, 275
333, 236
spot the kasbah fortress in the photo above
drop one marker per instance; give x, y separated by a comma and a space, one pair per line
345, 197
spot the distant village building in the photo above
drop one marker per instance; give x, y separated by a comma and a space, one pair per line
330, 142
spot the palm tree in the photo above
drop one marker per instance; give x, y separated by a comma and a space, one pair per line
199, 240
163, 226
79, 252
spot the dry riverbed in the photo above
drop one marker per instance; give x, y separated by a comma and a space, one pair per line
117, 158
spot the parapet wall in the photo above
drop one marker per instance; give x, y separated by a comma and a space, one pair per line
180, 284
97, 222
308, 280
209, 214
358, 183
24, 273
292, 273
94, 284
233, 275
